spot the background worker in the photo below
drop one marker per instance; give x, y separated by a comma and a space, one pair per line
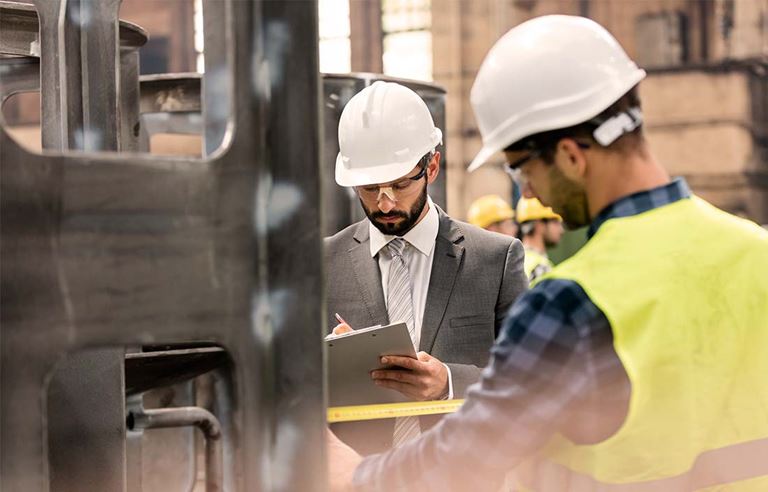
637, 364
541, 228
452, 283
493, 213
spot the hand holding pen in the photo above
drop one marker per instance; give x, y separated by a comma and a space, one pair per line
342, 327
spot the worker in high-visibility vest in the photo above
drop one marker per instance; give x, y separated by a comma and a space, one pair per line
541, 228
641, 362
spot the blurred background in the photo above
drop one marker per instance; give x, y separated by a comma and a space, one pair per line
705, 99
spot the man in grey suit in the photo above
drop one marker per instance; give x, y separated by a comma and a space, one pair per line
462, 279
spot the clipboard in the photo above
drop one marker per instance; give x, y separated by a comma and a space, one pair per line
351, 358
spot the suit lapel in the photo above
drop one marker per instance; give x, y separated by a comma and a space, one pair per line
445, 267
367, 275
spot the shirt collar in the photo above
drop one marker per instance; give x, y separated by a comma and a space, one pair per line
640, 202
422, 236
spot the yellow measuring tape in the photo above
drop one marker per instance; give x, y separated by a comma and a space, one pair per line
391, 410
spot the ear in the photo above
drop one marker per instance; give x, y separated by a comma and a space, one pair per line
433, 168
570, 158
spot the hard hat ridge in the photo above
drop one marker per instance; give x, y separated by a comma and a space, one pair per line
529, 209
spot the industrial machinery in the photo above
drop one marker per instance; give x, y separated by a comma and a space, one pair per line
141, 292
161, 315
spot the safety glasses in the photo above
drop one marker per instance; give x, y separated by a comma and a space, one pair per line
395, 191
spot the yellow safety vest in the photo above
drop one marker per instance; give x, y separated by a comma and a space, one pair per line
685, 288
533, 260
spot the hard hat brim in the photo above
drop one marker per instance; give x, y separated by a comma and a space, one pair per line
482, 157
496, 218
370, 175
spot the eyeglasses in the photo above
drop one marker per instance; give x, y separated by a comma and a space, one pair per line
514, 168
515, 165
397, 190
517, 175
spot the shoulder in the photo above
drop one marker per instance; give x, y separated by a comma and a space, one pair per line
345, 237
476, 237
552, 305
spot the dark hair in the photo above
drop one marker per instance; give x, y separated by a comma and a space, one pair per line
426, 159
546, 142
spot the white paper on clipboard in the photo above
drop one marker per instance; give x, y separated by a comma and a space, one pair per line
353, 355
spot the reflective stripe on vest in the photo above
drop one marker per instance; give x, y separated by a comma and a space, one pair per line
685, 289
720, 466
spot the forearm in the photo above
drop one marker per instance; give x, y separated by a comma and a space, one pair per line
422, 464
445, 458
448, 456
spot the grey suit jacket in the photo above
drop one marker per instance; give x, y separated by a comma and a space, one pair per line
476, 276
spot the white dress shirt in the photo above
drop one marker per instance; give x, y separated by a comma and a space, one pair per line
419, 253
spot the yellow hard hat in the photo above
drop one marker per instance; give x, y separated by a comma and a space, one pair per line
532, 209
488, 210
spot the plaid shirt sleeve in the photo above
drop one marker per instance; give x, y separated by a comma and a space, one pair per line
554, 347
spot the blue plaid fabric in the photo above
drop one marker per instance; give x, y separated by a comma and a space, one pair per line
640, 202
555, 349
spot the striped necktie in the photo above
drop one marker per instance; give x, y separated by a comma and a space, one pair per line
400, 309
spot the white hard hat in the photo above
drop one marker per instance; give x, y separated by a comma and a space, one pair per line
548, 73
384, 131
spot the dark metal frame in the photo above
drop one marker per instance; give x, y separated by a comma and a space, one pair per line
118, 250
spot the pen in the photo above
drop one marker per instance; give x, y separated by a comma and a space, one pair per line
340, 319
